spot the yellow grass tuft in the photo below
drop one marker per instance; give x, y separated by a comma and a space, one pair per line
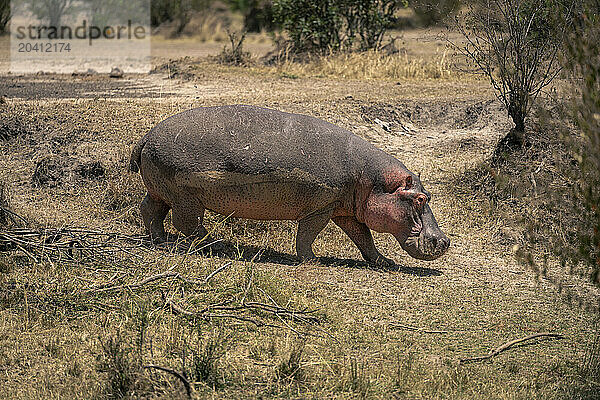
371, 65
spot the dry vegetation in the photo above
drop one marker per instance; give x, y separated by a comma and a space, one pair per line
370, 65
112, 316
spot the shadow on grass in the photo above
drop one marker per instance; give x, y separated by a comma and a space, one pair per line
249, 253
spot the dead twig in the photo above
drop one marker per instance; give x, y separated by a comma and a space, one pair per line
74, 245
508, 345
216, 271
13, 215
183, 379
414, 328
176, 309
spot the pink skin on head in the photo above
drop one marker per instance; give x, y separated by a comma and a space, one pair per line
394, 179
394, 210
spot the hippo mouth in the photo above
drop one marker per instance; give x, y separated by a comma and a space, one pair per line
428, 242
426, 248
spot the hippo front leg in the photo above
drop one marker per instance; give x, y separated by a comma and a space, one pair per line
308, 229
360, 234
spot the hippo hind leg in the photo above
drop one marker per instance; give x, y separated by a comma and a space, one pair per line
154, 212
188, 215
309, 228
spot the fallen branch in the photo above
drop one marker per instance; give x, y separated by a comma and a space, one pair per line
12, 215
414, 328
176, 309
183, 379
508, 345
75, 245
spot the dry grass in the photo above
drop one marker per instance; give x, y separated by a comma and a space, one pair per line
533, 189
87, 329
371, 65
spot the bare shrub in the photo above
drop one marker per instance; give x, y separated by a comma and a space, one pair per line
511, 42
551, 186
573, 234
584, 60
236, 54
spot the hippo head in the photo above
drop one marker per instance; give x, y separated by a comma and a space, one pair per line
400, 206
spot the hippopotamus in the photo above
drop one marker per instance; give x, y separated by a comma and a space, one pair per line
258, 163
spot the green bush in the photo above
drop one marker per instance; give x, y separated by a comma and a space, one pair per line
319, 26
431, 12
4, 15
179, 11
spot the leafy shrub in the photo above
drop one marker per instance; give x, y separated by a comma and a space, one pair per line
329, 25
555, 179
4, 15
430, 12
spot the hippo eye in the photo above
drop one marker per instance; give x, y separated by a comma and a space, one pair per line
409, 182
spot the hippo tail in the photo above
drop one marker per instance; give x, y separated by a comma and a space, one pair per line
136, 155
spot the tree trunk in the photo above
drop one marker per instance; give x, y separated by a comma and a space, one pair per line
515, 136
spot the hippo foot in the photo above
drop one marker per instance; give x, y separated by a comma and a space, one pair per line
157, 239
384, 263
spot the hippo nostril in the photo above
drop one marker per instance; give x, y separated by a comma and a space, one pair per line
439, 244
444, 243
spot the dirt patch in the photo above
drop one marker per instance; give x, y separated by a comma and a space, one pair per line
180, 69
52, 86
451, 115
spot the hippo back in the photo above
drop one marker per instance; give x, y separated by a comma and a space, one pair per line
253, 141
